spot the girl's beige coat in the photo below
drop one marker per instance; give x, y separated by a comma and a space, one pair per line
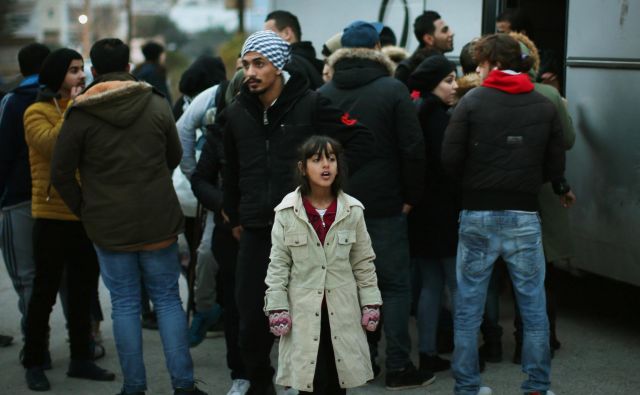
302, 272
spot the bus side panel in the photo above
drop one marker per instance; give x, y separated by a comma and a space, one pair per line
604, 165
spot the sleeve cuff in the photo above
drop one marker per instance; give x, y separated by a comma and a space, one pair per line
276, 300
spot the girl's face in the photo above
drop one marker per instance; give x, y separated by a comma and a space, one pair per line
446, 89
321, 170
74, 77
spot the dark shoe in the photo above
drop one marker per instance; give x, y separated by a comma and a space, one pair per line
89, 370
5, 340
37, 380
407, 378
203, 320
189, 391
433, 363
97, 351
517, 355
150, 321
130, 393
491, 352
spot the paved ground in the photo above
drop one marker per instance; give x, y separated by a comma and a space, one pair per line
600, 352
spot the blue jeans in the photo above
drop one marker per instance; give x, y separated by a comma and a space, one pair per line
517, 238
390, 241
159, 271
435, 274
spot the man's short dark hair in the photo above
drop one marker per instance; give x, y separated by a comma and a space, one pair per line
424, 24
503, 51
152, 51
517, 19
467, 61
109, 55
284, 19
31, 57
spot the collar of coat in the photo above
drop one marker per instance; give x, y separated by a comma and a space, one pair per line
109, 90
294, 200
362, 53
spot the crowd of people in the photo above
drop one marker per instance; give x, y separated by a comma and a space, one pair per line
339, 198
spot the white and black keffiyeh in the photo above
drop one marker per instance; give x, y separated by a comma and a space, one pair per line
270, 45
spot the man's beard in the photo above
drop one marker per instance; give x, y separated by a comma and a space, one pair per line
255, 91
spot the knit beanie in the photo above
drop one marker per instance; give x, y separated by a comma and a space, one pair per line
430, 73
269, 45
55, 66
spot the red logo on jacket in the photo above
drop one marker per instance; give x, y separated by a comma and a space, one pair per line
347, 120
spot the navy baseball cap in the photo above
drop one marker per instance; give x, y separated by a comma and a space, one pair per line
361, 34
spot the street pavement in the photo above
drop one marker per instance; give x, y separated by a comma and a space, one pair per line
598, 325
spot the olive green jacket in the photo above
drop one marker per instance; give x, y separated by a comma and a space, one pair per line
302, 272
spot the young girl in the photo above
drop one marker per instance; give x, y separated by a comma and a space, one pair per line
322, 287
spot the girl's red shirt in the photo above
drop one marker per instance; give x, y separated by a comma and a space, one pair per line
320, 224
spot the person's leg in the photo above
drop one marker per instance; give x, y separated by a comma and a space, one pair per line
160, 274
432, 276
82, 276
122, 276
491, 350
522, 250
389, 239
225, 249
477, 251
207, 311
48, 253
550, 285
17, 251
255, 338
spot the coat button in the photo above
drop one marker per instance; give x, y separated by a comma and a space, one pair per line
309, 385
339, 360
315, 339
297, 242
332, 313
317, 314
318, 244
329, 291
313, 362
323, 267
327, 243
319, 292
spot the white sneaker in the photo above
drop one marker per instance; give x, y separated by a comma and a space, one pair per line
485, 391
291, 391
549, 392
239, 387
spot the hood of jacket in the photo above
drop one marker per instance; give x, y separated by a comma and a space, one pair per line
117, 99
354, 67
508, 81
395, 53
304, 49
30, 90
466, 83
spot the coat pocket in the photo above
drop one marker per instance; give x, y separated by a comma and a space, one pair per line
345, 241
297, 244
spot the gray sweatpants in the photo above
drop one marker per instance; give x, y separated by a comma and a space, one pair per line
206, 269
16, 240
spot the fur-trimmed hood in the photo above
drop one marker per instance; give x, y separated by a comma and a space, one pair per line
395, 53
118, 101
466, 83
354, 67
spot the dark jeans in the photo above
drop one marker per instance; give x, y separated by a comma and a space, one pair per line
389, 237
225, 251
255, 338
57, 244
325, 380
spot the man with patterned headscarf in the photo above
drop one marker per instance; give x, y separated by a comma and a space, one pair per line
272, 115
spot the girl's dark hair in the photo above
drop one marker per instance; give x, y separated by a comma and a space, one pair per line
321, 145
503, 51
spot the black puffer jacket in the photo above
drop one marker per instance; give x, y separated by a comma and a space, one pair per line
504, 141
363, 87
433, 223
261, 147
304, 61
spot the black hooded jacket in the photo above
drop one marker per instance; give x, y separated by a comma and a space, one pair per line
363, 87
303, 60
261, 147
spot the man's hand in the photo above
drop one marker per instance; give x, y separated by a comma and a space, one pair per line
370, 317
279, 322
568, 199
225, 217
406, 208
75, 91
237, 231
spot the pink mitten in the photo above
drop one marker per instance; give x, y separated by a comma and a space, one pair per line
370, 317
279, 322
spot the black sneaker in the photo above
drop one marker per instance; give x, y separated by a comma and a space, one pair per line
89, 370
37, 380
189, 391
433, 363
5, 340
491, 352
407, 378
